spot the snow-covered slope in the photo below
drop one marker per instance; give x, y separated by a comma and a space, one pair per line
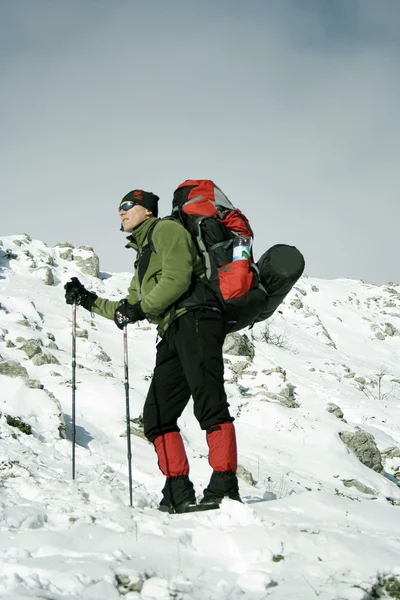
316, 521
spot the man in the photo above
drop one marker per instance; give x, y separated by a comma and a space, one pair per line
169, 289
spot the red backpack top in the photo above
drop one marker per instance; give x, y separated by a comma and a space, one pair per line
215, 224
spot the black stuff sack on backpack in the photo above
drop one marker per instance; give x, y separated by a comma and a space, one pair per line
279, 269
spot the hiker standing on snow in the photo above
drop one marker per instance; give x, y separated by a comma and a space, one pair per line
169, 289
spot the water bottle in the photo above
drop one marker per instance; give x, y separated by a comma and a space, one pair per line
242, 248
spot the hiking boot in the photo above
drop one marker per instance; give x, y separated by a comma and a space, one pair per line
178, 493
222, 485
186, 507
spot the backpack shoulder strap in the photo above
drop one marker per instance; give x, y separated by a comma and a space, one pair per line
150, 242
142, 262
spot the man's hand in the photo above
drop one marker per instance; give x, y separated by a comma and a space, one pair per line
75, 291
128, 313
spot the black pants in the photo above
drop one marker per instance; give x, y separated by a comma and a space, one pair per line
189, 363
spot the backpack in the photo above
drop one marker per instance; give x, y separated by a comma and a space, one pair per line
249, 292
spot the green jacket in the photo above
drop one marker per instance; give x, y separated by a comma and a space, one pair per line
173, 274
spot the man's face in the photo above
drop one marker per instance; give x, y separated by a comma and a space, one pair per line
132, 215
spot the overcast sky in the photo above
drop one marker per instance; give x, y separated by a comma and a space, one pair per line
290, 106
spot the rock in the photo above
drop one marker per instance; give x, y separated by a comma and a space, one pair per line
268, 371
49, 260
89, 266
327, 335
301, 290
238, 344
238, 368
390, 330
364, 447
245, 475
62, 428
51, 336
82, 333
45, 359
103, 356
297, 303
64, 245
359, 486
67, 255
288, 391
380, 336
35, 384
12, 368
46, 275
391, 452
281, 398
334, 409
288, 402
32, 347
24, 322
10, 344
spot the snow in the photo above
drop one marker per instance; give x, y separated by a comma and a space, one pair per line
300, 533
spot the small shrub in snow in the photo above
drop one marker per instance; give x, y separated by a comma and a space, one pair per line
19, 424
379, 388
272, 337
386, 586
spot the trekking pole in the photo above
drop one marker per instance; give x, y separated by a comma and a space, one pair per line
128, 417
73, 384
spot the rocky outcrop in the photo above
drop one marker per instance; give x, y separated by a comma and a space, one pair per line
364, 447
238, 344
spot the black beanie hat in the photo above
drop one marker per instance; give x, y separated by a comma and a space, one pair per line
146, 199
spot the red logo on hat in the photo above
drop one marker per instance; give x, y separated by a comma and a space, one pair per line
138, 194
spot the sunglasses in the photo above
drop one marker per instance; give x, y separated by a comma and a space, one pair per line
127, 205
